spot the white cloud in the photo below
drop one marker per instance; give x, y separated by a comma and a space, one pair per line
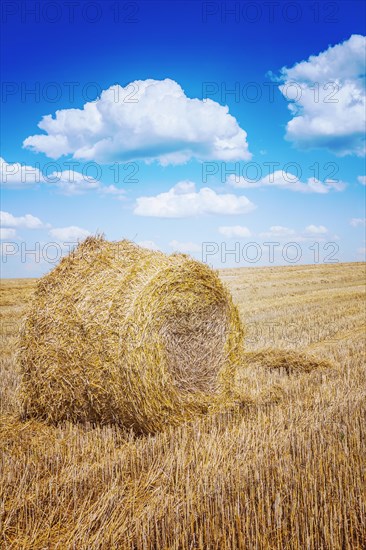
148, 244
70, 182
18, 175
147, 119
286, 180
316, 229
69, 234
185, 247
112, 190
28, 221
278, 231
328, 94
311, 232
234, 231
6, 233
362, 180
183, 201
358, 221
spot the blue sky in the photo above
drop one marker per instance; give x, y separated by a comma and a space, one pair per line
183, 123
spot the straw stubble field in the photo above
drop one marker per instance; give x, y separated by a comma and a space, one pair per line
283, 468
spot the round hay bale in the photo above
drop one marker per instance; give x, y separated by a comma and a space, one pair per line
121, 334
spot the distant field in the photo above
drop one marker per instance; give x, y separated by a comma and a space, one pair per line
288, 471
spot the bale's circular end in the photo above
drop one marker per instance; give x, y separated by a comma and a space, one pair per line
121, 334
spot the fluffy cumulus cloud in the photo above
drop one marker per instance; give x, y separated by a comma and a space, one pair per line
67, 182
327, 99
183, 200
69, 234
117, 192
311, 232
230, 231
28, 221
278, 231
286, 180
361, 180
6, 233
9, 223
147, 119
316, 230
19, 176
355, 222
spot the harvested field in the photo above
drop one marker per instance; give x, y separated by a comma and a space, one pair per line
282, 466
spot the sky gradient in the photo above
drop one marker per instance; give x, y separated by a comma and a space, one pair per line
212, 128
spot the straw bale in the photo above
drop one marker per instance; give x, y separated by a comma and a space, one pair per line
121, 334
